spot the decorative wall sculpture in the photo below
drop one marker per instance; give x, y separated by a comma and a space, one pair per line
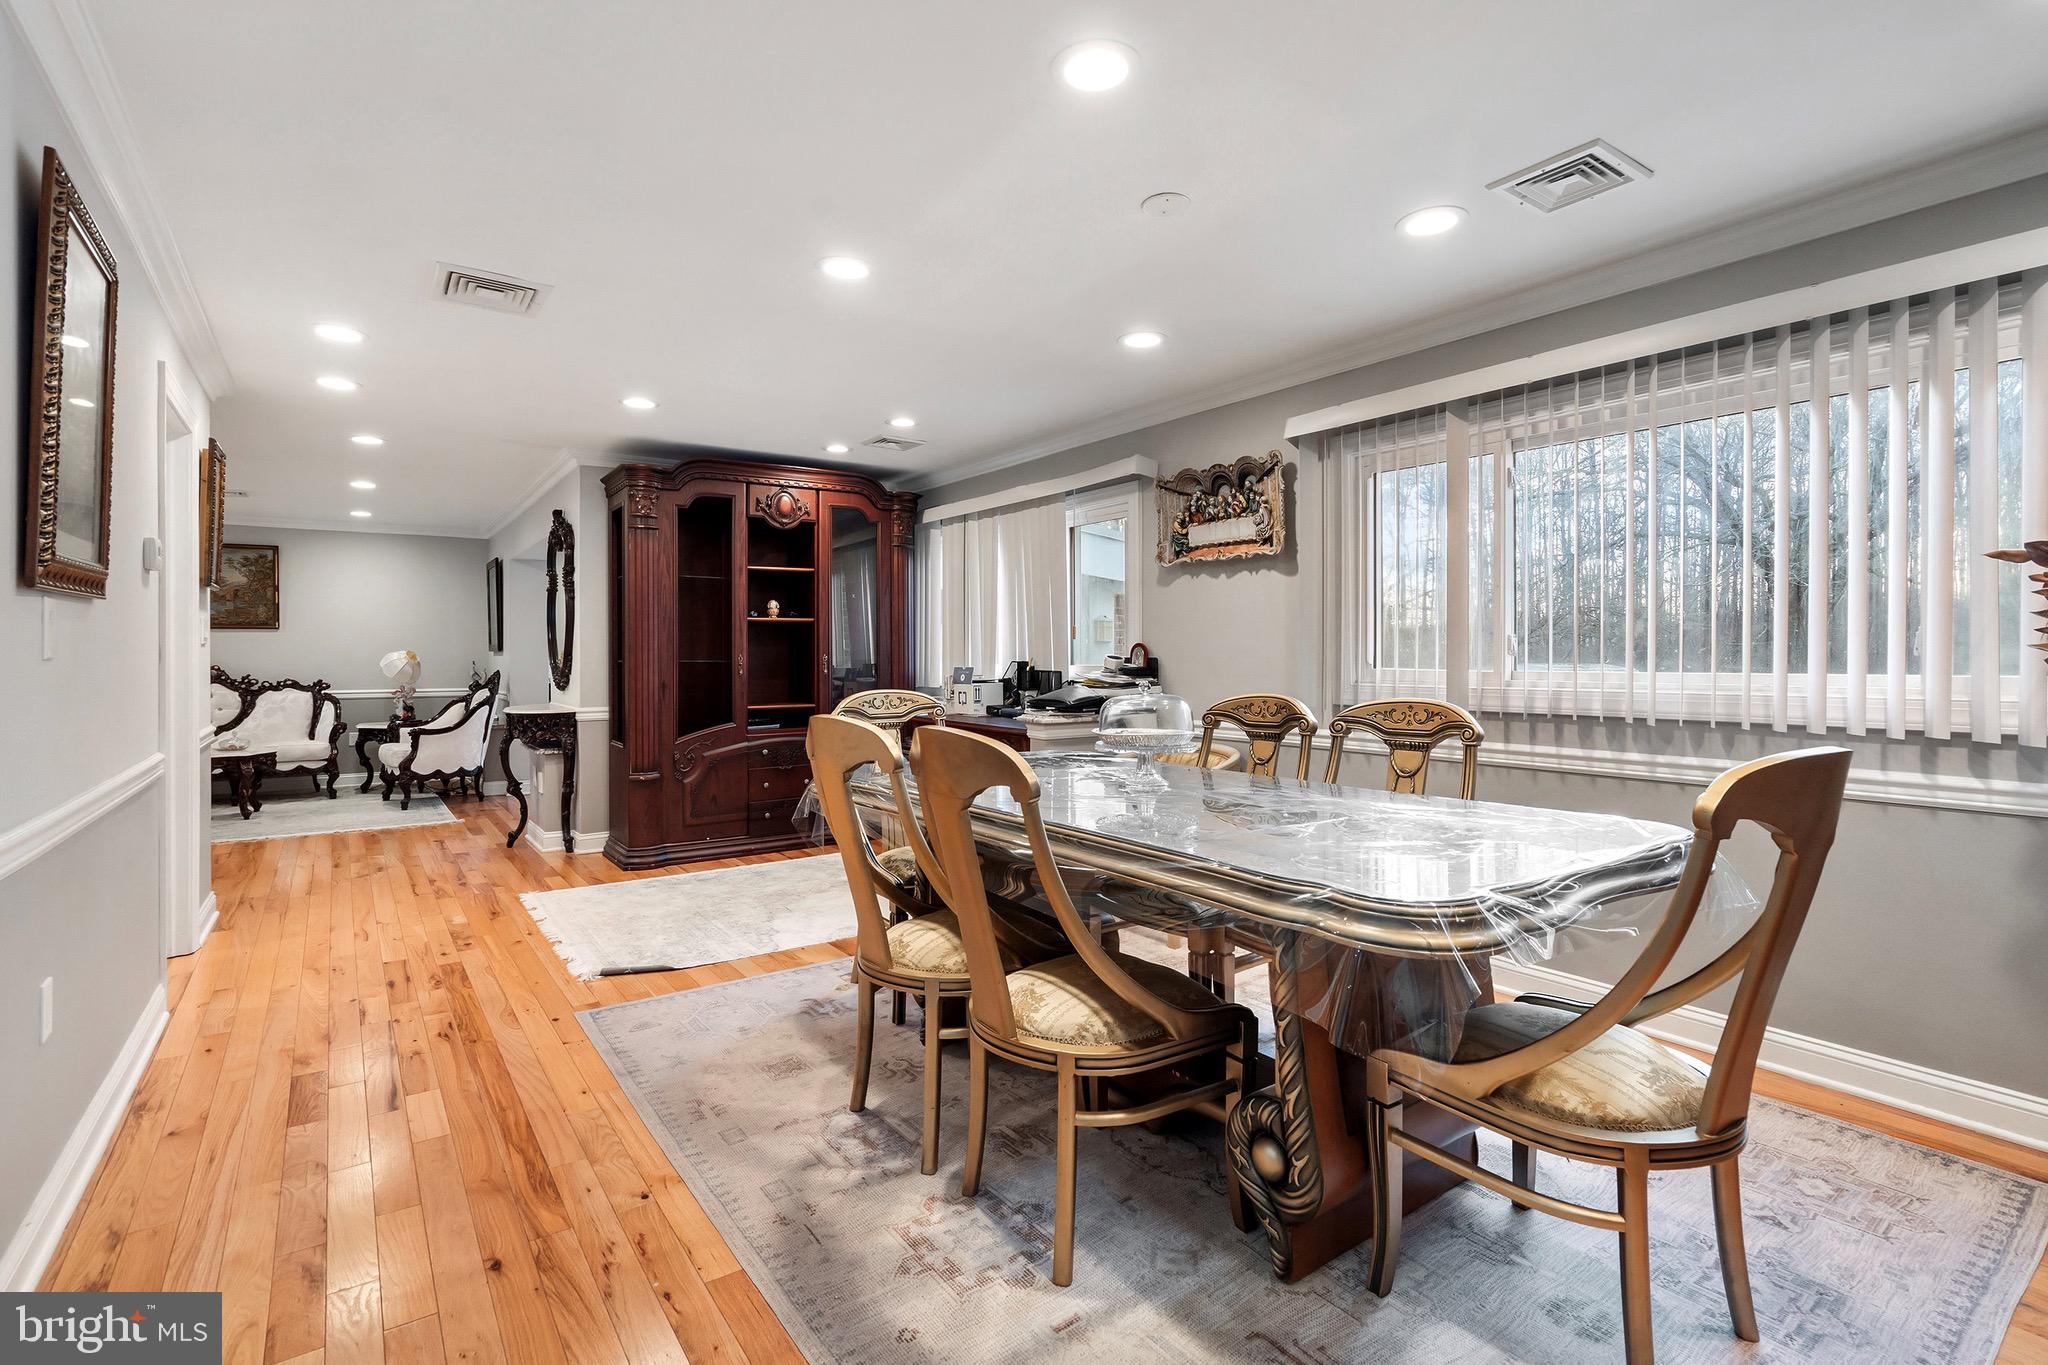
1227, 511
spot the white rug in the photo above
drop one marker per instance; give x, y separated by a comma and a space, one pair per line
687, 919
302, 813
1862, 1249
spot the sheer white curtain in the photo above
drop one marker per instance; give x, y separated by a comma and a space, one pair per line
1784, 528
993, 588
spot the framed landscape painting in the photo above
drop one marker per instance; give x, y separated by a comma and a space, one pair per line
247, 598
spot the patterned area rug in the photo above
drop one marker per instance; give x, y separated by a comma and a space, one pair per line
301, 813
687, 919
1862, 1248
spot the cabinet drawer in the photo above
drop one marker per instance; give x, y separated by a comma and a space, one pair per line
771, 819
776, 784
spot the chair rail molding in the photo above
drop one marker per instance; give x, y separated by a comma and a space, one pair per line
31, 839
66, 48
34, 1240
1976, 1105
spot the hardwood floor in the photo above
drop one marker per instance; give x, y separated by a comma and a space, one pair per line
375, 1125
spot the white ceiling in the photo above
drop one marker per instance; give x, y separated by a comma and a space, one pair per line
675, 170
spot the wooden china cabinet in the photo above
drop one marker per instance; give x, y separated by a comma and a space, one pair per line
711, 686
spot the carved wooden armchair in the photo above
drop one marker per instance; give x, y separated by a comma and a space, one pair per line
1410, 728
450, 748
301, 721
1577, 1080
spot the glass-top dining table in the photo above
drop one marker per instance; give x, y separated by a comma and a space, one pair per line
1381, 914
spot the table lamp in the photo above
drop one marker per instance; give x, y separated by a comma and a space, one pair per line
402, 666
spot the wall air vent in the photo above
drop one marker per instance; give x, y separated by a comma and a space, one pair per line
900, 444
1569, 177
238, 492
488, 289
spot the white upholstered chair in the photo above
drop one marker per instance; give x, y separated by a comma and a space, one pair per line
301, 721
450, 748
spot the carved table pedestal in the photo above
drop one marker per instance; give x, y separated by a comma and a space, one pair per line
542, 729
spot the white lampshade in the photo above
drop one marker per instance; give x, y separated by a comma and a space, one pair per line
402, 666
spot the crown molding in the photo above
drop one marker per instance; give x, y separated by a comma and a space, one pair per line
1952, 176
365, 527
566, 461
66, 48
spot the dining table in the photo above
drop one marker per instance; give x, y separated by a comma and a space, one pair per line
1381, 913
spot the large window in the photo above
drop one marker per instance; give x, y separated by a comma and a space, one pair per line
1787, 527
1101, 569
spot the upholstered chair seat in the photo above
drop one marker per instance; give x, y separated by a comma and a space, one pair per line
390, 755
1622, 1082
901, 865
930, 945
1061, 1001
291, 752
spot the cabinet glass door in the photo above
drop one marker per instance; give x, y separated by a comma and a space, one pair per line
853, 605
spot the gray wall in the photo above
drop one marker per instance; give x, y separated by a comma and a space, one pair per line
85, 911
348, 598
1926, 942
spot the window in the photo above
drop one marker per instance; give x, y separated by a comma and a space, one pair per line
1785, 527
1101, 569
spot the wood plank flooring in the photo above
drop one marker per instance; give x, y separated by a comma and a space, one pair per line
375, 1125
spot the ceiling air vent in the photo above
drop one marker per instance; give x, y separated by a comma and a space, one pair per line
899, 444
1586, 170
487, 289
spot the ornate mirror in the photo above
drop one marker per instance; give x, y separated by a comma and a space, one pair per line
561, 599
71, 387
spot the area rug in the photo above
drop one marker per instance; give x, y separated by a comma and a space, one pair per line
687, 919
302, 813
1862, 1248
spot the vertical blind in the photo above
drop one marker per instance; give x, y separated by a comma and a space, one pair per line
1785, 528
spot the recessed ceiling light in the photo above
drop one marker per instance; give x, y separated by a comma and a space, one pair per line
844, 267
366, 439
836, 448
363, 484
903, 423
359, 512
75, 343
1094, 66
636, 403
337, 383
335, 332
1141, 341
80, 402
1433, 221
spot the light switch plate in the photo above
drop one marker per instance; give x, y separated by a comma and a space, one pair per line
49, 1008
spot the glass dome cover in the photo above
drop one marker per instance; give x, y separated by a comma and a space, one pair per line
1145, 723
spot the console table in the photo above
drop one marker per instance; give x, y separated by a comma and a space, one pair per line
542, 729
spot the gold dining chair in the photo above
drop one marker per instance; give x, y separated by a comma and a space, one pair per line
888, 709
1579, 1081
1089, 1016
1219, 757
1410, 728
922, 955
1267, 719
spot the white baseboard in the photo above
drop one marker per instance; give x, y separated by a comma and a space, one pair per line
209, 915
35, 1238
550, 841
1989, 1109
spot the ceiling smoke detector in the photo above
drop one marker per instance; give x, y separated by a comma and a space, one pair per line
1569, 177
488, 289
900, 444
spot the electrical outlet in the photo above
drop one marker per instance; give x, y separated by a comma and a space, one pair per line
49, 997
